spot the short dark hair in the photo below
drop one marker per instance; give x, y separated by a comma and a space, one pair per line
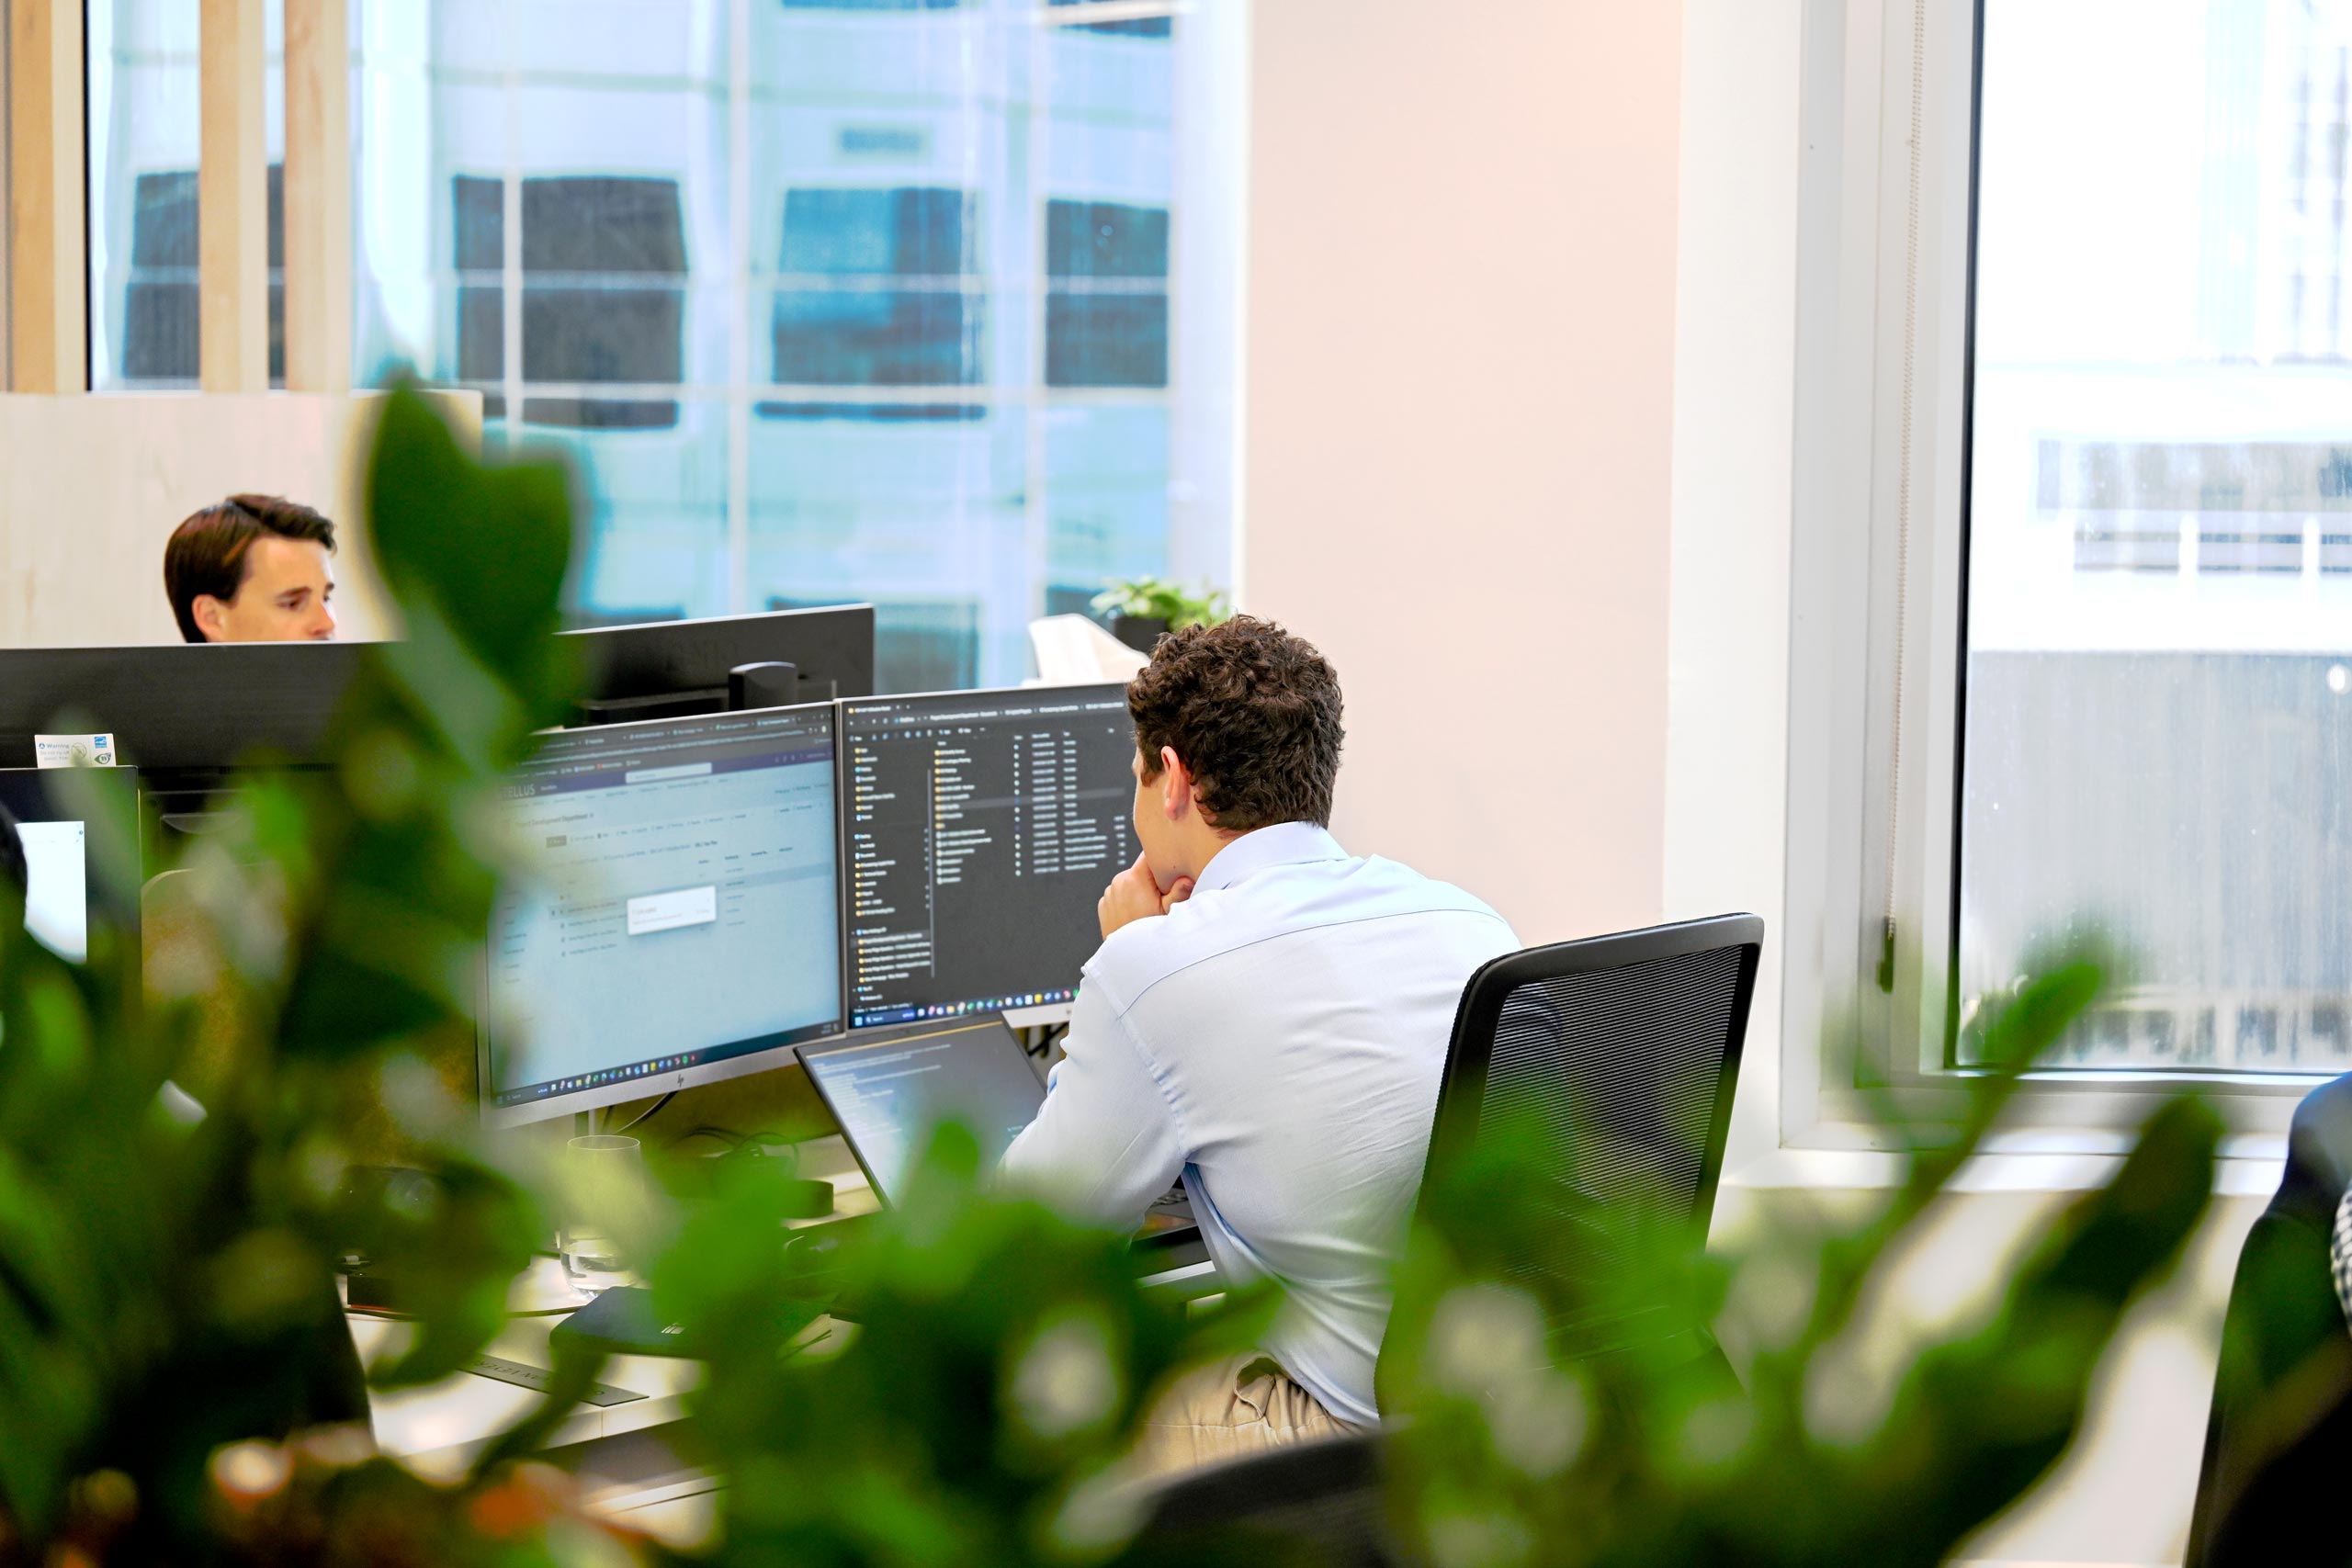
1253, 712
207, 553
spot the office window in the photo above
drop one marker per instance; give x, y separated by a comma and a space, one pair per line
930, 646
159, 323
2155, 723
1106, 309
828, 301
159, 332
144, 222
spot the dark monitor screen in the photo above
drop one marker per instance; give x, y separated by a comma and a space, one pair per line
886, 1093
63, 888
980, 828
685, 925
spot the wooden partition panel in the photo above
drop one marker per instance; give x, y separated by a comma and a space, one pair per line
318, 195
233, 201
90, 488
48, 337
7, 288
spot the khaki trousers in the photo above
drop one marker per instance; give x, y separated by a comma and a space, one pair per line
1244, 1405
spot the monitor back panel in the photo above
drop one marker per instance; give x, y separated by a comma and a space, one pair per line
833, 648
178, 707
980, 830
195, 707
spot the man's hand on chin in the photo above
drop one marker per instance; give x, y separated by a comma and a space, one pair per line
1134, 895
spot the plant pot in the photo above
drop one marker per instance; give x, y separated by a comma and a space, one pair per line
1141, 633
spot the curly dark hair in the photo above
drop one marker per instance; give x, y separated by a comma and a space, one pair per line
1254, 714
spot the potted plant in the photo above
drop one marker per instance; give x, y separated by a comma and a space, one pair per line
1143, 609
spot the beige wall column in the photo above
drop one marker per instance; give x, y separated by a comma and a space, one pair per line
318, 195
1459, 353
48, 339
233, 200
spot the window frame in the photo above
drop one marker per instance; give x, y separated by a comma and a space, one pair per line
1886, 272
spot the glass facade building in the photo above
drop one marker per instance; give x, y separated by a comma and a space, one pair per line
824, 301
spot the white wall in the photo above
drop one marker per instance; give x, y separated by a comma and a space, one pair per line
1459, 414
91, 487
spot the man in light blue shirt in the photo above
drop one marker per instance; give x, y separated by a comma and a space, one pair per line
1268, 1016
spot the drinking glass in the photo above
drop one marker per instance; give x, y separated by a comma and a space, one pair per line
604, 1182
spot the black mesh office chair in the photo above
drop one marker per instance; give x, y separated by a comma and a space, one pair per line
1619, 1052
1625, 1050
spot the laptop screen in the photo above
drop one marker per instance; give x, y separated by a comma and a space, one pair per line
888, 1093
51, 852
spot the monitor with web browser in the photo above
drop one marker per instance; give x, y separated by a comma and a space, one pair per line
685, 925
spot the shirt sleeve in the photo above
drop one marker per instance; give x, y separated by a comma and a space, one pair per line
1106, 1142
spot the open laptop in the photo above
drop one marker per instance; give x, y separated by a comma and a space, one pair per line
888, 1089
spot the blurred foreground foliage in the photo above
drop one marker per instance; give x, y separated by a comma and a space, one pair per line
1578, 1414
172, 1359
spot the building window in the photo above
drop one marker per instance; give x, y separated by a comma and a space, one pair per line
822, 301
604, 263
875, 291
159, 338
1133, 26
1106, 309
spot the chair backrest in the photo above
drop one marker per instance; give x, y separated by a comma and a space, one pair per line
1318, 1504
1625, 1051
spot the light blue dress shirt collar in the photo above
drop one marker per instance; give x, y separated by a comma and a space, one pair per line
1284, 843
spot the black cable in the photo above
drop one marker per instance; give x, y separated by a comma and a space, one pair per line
731, 1139
1048, 1036
644, 1114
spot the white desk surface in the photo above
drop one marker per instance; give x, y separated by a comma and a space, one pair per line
439, 1428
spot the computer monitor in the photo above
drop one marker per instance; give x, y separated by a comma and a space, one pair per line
188, 708
685, 927
978, 831
64, 889
669, 669
178, 705
888, 1091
